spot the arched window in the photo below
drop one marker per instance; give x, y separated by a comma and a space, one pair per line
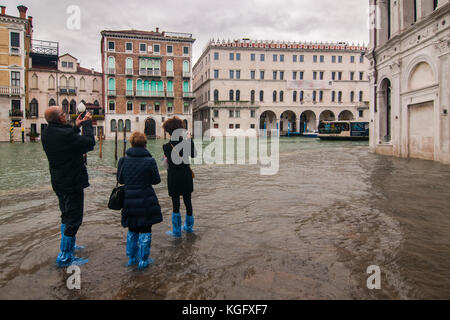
96, 103
139, 88
82, 84
238, 95
340, 96
294, 96
129, 66
128, 125
320, 96
120, 125
129, 87
95, 85
71, 82
185, 66
153, 86
252, 96
352, 96
63, 81
52, 102
34, 81
113, 125
302, 95
281, 96
185, 86
160, 88
34, 108
169, 66
65, 106
261, 96
130, 106
314, 96
51, 82
333, 96
231, 95
216, 95
111, 65
73, 107
274, 96
170, 87
112, 105
111, 84
361, 96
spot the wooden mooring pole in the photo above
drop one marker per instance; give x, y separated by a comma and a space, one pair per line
115, 146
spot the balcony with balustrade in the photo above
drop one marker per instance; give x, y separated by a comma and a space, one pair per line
15, 113
10, 91
170, 94
170, 74
188, 95
111, 93
67, 90
186, 74
128, 71
149, 72
150, 94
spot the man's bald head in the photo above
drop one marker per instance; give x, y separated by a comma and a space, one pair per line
54, 114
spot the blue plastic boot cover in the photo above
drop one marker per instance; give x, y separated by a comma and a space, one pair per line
65, 257
176, 226
76, 248
132, 248
145, 242
189, 224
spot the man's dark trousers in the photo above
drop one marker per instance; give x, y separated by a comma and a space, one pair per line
71, 206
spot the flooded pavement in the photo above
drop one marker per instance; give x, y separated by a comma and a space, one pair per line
309, 232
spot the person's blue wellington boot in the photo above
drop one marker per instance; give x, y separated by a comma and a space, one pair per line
145, 243
76, 248
65, 257
176, 226
132, 248
189, 224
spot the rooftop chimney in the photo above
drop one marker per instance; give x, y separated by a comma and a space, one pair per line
22, 11
3, 10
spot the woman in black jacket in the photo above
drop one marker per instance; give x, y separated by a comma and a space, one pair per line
138, 172
179, 175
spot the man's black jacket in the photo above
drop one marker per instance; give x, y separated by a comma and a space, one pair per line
65, 147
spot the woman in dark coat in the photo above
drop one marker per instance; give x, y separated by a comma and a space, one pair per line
179, 175
138, 172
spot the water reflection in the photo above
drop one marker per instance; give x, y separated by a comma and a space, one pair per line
310, 231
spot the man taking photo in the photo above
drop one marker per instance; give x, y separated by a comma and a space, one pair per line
65, 147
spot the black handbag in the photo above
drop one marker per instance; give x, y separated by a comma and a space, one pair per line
117, 195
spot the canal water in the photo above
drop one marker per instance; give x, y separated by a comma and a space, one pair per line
308, 232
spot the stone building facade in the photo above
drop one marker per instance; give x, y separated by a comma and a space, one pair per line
288, 86
15, 38
410, 81
147, 79
62, 81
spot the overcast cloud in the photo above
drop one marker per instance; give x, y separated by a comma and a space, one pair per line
293, 20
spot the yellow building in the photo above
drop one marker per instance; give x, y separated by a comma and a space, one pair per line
15, 39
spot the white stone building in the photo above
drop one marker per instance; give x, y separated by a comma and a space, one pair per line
247, 84
410, 81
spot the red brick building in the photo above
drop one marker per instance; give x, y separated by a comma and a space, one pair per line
146, 79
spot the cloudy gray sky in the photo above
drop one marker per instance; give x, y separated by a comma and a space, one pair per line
293, 20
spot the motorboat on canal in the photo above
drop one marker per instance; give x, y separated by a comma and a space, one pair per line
343, 130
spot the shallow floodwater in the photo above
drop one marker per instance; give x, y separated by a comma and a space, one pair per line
308, 232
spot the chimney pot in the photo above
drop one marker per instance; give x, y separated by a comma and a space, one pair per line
3, 10
22, 11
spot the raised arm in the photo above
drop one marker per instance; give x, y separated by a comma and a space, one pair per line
86, 142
